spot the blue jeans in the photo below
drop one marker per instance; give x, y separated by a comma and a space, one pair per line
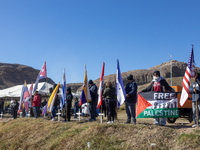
35, 108
26, 113
130, 110
160, 121
195, 117
53, 112
75, 111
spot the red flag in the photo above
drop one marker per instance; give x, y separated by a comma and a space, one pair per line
100, 98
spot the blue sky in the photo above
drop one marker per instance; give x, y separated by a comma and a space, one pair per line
71, 33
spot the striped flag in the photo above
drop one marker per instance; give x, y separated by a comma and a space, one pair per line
26, 92
21, 99
120, 91
190, 72
100, 98
85, 95
31, 90
52, 99
63, 98
42, 74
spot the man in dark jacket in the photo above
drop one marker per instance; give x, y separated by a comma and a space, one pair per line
93, 93
158, 84
131, 99
69, 98
14, 107
1, 106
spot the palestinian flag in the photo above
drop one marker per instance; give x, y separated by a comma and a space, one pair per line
157, 105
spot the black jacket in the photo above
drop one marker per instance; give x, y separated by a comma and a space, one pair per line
131, 90
93, 93
163, 83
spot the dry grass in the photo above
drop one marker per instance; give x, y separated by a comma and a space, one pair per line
44, 134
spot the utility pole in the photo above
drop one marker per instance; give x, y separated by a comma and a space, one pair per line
171, 68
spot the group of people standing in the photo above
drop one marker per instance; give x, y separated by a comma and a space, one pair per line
158, 84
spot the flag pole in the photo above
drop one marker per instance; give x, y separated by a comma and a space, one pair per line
197, 118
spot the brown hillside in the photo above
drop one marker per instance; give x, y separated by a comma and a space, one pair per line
144, 76
15, 74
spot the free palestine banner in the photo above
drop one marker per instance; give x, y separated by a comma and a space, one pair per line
157, 105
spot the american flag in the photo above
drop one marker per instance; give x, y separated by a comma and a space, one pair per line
190, 72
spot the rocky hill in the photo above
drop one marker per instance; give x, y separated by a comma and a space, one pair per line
144, 76
15, 74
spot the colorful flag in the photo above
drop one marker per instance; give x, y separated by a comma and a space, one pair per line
52, 99
45, 108
120, 91
42, 74
157, 105
26, 93
63, 98
21, 99
85, 95
100, 98
31, 90
190, 72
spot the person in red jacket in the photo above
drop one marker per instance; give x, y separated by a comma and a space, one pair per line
36, 103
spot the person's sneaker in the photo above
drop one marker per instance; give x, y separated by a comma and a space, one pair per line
134, 123
53, 119
112, 122
108, 122
194, 126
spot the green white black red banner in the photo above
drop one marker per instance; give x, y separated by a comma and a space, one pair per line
157, 105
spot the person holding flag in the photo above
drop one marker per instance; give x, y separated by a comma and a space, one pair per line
69, 98
195, 91
131, 99
158, 84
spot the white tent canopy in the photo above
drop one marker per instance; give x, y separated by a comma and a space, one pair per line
43, 89
15, 91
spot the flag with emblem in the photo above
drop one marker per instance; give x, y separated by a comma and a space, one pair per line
120, 91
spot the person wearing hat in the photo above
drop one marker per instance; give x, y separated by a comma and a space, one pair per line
158, 84
93, 93
131, 99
